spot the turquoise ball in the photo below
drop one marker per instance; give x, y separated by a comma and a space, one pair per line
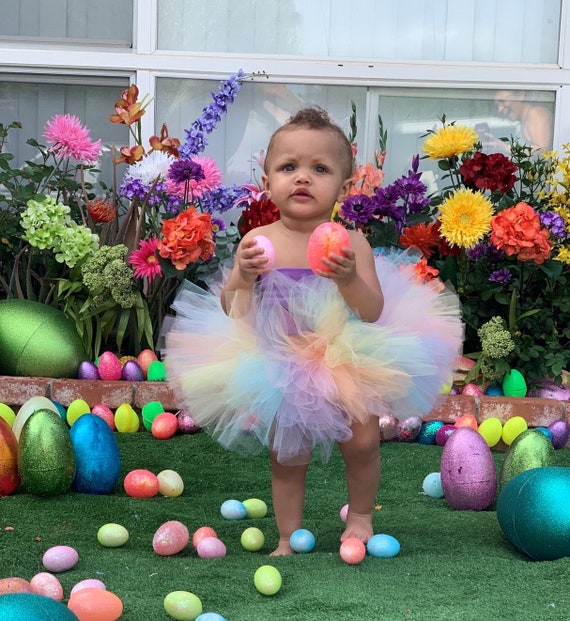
27, 606
534, 512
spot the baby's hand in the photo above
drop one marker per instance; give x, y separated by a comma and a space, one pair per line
252, 260
342, 267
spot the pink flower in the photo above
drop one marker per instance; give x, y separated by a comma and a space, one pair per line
212, 179
71, 139
145, 260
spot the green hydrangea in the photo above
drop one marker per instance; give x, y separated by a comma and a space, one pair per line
74, 244
44, 221
496, 340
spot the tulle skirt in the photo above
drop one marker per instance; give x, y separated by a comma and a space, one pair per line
296, 371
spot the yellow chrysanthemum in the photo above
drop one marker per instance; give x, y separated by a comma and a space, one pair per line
449, 141
465, 217
563, 255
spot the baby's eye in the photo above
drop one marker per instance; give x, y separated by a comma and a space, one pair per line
288, 167
321, 169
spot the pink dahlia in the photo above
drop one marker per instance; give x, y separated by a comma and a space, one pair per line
212, 179
145, 259
71, 139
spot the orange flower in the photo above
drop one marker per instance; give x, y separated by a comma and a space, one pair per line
165, 142
517, 231
129, 155
101, 211
423, 272
425, 237
369, 178
187, 238
127, 109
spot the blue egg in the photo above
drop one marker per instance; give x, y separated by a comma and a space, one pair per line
494, 391
302, 541
233, 510
62, 410
545, 431
210, 616
429, 431
432, 485
26, 606
383, 546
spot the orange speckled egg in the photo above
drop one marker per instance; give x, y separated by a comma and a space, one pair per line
141, 483
164, 426
95, 605
48, 585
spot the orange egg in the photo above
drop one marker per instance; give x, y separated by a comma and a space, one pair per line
164, 426
201, 533
141, 483
328, 238
467, 420
9, 477
14, 585
95, 605
145, 358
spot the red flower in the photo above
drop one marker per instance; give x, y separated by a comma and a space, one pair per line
425, 237
257, 213
101, 211
489, 172
425, 273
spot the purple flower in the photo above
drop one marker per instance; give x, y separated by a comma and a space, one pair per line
218, 225
502, 276
222, 198
133, 188
358, 209
478, 251
186, 170
554, 223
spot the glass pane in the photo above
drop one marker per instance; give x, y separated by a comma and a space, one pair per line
34, 104
517, 31
104, 21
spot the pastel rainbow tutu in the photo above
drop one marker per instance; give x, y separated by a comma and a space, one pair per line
300, 368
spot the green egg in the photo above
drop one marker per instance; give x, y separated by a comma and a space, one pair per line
255, 508
112, 535
514, 384
183, 605
267, 580
156, 371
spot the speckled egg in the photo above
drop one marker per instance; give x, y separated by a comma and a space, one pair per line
60, 558
383, 546
48, 585
186, 422
170, 538
530, 449
109, 366
112, 535
132, 372
559, 432
211, 547
233, 510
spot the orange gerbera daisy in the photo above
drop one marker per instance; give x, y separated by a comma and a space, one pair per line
425, 237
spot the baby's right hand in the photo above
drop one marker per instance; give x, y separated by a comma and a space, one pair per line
251, 260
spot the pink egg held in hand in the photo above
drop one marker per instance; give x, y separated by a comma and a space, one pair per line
328, 238
268, 250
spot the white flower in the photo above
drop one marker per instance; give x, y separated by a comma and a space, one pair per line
153, 165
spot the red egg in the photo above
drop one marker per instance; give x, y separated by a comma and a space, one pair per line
105, 413
352, 551
467, 420
164, 426
109, 366
141, 483
9, 477
172, 537
472, 390
95, 605
328, 238
145, 358
201, 533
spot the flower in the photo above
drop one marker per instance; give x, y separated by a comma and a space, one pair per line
465, 217
259, 211
493, 172
71, 139
101, 211
145, 260
207, 180
424, 236
450, 141
151, 167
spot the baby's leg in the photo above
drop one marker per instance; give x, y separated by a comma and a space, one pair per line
288, 485
361, 455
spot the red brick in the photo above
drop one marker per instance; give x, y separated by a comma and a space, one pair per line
452, 407
111, 394
155, 391
15, 391
536, 412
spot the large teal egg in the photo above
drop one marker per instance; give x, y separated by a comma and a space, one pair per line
28, 606
38, 341
530, 449
46, 460
533, 510
97, 457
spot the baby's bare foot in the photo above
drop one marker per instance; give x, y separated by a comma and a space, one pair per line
283, 549
358, 525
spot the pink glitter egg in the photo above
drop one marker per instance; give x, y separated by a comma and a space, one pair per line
268, 250
344, 512
211, 547
472, 390
48, 585
186, 422
170, 538
352, 551
109, 366
60, 558
105, 413
88, 583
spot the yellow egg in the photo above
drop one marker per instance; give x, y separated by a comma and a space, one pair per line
126, 419
513, 428
170, 483
7, 413
491, 430
183, 605
112, 535
75, 409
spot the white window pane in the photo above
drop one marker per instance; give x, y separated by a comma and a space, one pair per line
518, 31
104, 21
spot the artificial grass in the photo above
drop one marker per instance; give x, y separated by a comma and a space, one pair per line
453, 565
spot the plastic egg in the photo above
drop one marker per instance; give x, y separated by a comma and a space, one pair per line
514, 384
149, 412
327, 238
48, 585
201, 533
183, 605
164, 426
267, 580
383, 546
109, 366
126, 419
29, 606
343, 513
27, 409
211, 547
467, 420
252, 539
88, 583
187, 423
170, 483
14, 585
156, 371
302, 541
491, 429
233, 510
255, 508
352, 551
60, 558
9, 476
170, 538
141, 483
75, 409
112, 535
268, 250
95, 605
530, 449
7, 414
88, 371
432, 485
145, 358
104, 412
513, 428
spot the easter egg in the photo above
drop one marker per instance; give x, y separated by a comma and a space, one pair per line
388, 424
468, 475
494, 390
302, 541
156, 371
112, 535
268, 250
432, 486
408, 429
9, 476
97, 457
131, 372
109, 366
559, 432
37, 340
164, 426
95, 605
7, 414
187, 423
27, 409
60, 558
141, 483
443, 434
383, 546
183, 605
530, 449
46, 460
210, 616
428, 431
211, 547
327, 238
149, 412
104, 412
126, 419
343, 513
28, 606
491, 429
467, 420
471, 390
170, 483
534, 513
255, 508
352, 551
75, 409
252, 539
267, 580
88, 583
14, 585
145, 358
233, 510
48, 585
513, 428
88, 371
170, 538
514, 384
201, 533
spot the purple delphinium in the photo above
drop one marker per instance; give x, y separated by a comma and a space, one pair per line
358, 209
211, 115
502, 276
554, 223
182, 171
222, 199
133, 188
174, 203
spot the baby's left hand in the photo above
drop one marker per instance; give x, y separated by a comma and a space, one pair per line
342, 267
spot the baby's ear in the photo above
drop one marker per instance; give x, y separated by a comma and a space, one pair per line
265, 184
344, 191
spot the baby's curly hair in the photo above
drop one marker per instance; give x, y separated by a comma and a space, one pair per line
314, 117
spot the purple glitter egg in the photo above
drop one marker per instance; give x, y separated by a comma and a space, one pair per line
443, 434
88, 371
132, 372
560, 432
186, 422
